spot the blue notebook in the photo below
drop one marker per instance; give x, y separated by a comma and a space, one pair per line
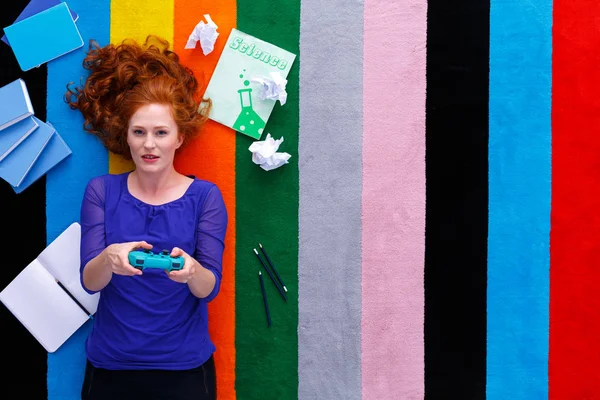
12, 136
17, 164
54, 152
44, 36
34, 7
15, 104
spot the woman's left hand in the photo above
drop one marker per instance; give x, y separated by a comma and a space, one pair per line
188, 270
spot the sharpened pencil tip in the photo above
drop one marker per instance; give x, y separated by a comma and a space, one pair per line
284, 288
260, 273
260, 245
255, 251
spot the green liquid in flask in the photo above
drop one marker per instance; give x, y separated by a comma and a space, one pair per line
248, 121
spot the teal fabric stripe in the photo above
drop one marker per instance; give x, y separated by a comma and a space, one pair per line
519, 199
66, 182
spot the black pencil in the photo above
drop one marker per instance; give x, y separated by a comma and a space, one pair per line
75, 300
270, 275
264, 294
272, 267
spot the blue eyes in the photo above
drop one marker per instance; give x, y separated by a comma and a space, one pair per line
139, 132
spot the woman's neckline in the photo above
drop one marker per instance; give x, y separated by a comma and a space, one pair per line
185, 193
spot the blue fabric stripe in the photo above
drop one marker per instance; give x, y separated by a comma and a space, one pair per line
65, 184
519, 199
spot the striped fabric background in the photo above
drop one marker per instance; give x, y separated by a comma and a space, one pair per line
435, 226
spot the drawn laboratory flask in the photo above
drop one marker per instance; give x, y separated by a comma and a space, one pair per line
248, 121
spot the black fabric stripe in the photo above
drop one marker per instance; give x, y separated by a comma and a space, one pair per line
23, 234
457, 199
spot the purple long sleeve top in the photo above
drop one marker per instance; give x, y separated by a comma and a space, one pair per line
150, 321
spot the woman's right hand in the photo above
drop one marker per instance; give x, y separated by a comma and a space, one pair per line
117, 255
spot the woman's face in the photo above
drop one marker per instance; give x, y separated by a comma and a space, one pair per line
153, 137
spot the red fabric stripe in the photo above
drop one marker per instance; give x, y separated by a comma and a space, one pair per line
575, 232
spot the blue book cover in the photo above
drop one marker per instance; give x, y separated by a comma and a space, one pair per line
15, 104
34, 7
15, 166
44, 36
12, 136
54, 152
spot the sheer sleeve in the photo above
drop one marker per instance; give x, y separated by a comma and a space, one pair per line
210, 237
93, 237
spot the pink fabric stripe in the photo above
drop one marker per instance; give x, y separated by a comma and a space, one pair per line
393, 199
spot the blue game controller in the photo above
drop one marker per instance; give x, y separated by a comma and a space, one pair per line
144, 259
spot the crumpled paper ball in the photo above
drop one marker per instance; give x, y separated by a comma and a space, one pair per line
272, 87
205, 33
264, 153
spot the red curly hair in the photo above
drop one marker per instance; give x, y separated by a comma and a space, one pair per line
127, 76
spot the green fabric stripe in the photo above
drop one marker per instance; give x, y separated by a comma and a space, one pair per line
267, 213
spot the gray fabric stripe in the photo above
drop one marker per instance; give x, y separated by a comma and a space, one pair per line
330, 174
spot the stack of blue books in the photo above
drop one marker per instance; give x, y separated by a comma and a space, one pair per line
35, 7
29, 147
44, 31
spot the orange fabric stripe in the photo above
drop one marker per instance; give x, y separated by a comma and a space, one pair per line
211, 156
